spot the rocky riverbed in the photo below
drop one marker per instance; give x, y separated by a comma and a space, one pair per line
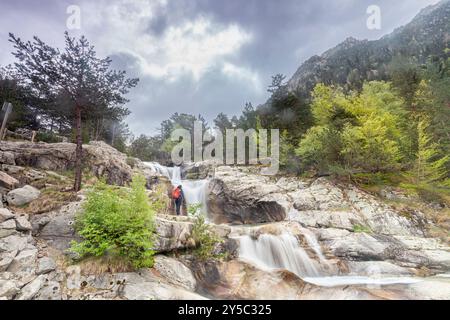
286, 238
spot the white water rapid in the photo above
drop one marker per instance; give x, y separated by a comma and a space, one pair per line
360, 280
274, 252
311, 239
278, 252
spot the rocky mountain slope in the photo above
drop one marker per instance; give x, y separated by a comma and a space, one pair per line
354, 61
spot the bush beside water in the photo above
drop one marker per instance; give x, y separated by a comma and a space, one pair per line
117, 223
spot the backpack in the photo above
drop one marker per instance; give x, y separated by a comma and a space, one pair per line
176, 193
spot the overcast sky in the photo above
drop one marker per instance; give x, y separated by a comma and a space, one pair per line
202, 56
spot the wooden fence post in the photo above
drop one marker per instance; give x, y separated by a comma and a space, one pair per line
7, 107
33, 136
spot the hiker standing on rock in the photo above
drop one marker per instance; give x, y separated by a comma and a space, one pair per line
178, 196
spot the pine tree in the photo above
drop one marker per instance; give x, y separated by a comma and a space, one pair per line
429, 167
92, 87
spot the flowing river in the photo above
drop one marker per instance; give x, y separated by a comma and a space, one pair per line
281, 251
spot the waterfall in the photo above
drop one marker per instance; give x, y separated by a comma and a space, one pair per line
272, 252
173, 173
194, 190
311, 239
285, 252
277, 252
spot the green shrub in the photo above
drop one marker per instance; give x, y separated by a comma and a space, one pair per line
117, 222
429, 193
48, 136
206, 240
357, 228
376, 179
132, 162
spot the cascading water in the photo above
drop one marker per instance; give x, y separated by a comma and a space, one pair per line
173, 173
282, 251
194, 190
277, 252
271, 252
311, 239
268, 251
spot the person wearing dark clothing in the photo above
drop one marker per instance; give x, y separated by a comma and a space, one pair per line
178, 196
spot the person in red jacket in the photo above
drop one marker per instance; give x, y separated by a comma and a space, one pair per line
178, 196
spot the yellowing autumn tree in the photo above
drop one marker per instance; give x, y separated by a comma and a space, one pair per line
355, 132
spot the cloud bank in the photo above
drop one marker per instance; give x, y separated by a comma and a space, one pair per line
202, 56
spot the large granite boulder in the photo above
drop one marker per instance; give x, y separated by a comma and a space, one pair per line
102, 159
57, 227
238, 196
173, 233
7, 157
175, 272
5, 214
405, 251
242, 198
159, 283
325, 204
198, 170
8, 182
145, 287
22, 196
54, 156
239, 280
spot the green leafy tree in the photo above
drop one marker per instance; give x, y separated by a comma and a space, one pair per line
369, 147
222, 122
148, 148
248, 119
406, 77
180, 121
317, 149
354, 132
429, 166
330, 106
321, 145
118, 223
23, 99
277, 85
433, 99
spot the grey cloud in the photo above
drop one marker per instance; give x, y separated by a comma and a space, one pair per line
285, 33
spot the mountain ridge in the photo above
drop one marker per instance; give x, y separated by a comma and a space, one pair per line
354, 61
